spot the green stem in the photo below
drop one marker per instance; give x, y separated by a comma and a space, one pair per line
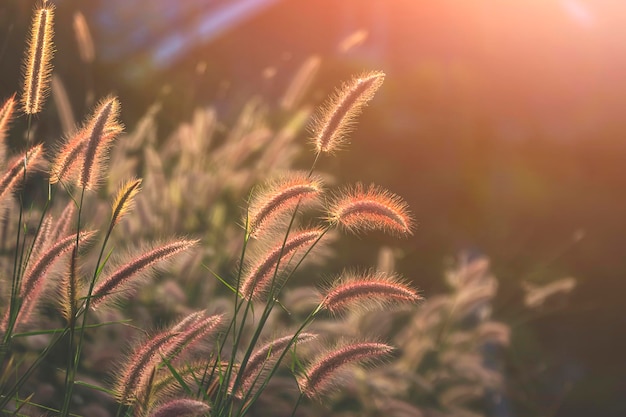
73, 357
15, 302
295, 407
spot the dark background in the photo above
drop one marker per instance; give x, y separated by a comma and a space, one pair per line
501, 123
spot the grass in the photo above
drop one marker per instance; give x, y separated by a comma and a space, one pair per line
189, 281
68, 283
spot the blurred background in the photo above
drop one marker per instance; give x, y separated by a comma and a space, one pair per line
500, 122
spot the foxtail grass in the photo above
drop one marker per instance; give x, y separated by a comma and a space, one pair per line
18, 169
367, 290
208, 361
359, 209
320, 376
37, 66
7, 113
336, 117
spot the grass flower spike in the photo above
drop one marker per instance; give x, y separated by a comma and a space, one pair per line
133, 380
37, 63
367, 290
99, 134
6, 114
130, 380
124, 201
182, 407
68, 158
321, 376
260, 276
34, 280
280, 197
265, 356
359, 209
15, 172
121, 282
336, 117
63, 314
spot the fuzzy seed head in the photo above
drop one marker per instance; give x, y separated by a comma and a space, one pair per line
134, 373
37, 62
320, 377
6, 115
367, 290
15, 173
99, 133
266, 356
337, 116
360, 209
195, 328
281, 197
124, 200
83, 38
259, 278
71, 287
34, 279
69, 157
122, 282
182, 407
134, 378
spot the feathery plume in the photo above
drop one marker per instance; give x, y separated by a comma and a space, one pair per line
197, 326
99, 133
68, 158
266, 356
83, 38
134, 379
44, 234
121, 282
185, 335
182, 407
37, 63
279, 197
33, 281
358, 209
135, 369
301, 81
336, 117
15, 173
320, 377
6, 115
367, 290
62, 226
71, 287
166, 384
259, 277
124, 201
62, 104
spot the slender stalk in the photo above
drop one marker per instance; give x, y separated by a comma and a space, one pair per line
268, 307
271, 301
295, 407
6, 397
73, 357
15, 302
